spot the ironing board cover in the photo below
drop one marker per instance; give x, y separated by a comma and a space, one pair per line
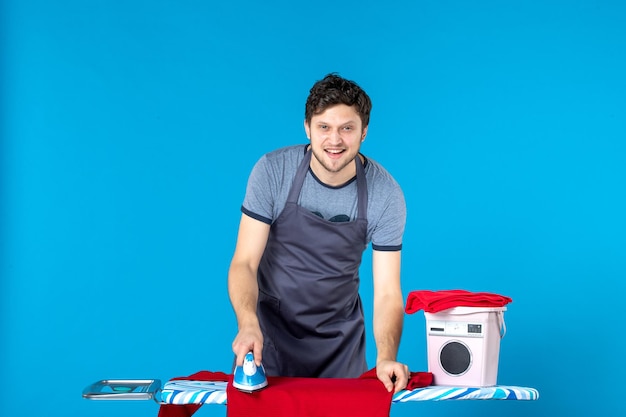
208, 392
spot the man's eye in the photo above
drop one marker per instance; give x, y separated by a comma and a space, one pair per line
347, 128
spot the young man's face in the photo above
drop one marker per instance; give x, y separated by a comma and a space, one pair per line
336, 136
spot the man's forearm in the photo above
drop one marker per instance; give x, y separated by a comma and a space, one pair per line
388, 322
244, 292
388, 304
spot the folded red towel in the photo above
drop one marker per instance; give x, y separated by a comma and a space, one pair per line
419, 380
435, 301
307, 397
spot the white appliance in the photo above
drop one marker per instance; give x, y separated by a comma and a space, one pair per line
463, 345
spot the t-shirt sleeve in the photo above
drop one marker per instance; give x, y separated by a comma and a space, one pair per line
388, 233
258, 202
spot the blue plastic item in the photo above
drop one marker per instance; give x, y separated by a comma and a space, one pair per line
249, 377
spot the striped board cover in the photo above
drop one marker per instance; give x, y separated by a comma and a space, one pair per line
206, 392
193, 392
441, 393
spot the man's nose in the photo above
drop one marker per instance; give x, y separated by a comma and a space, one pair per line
335, 135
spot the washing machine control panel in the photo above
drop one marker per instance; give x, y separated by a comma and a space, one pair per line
454, 328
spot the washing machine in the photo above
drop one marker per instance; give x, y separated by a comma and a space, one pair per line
463, 345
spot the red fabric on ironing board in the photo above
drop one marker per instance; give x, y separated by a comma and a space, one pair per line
435, 301
383, 398
313, 397
187, 410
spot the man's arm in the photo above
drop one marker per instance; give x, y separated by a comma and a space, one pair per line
388, 319
243, 287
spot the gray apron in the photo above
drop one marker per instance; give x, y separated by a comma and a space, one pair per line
309, 307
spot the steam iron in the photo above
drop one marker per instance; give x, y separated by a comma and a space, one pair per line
249, 377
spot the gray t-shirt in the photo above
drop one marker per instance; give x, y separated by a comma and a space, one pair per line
271, 178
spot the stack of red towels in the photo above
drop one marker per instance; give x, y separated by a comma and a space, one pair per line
435, 301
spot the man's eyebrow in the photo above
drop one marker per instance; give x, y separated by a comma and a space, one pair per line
322, 122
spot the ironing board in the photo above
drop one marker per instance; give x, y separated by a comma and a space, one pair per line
182, 392
203, 392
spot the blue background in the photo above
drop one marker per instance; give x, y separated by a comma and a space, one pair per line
129, 129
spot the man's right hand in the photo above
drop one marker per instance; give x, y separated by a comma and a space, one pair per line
249, 339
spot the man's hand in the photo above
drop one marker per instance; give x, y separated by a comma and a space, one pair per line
394, 375
249, 339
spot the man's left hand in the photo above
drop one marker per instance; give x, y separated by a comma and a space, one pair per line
394, 375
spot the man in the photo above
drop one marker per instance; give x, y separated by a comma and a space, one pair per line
308, 215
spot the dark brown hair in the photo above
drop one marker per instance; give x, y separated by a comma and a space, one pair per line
333, 90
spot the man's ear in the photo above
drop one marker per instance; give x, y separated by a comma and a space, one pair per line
364, 134
307, 129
